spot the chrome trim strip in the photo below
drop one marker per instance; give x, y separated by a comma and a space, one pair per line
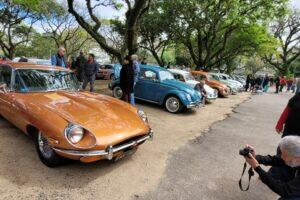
110, 150
147, 100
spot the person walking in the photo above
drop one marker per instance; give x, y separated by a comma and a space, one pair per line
137, 69
127, 79
59, 59
266, 83
80, 62
248, 79
282, 83
277, 84
90, 70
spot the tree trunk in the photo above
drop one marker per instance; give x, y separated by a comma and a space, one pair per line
11, 53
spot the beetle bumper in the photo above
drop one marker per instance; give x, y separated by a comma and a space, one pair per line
194, 105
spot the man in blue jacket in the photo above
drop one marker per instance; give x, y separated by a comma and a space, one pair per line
59, 58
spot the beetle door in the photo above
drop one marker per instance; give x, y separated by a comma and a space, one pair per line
147, 86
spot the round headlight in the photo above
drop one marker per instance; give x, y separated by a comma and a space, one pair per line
189, 98
74, 133
143, 116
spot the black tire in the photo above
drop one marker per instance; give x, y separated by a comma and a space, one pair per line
173, 104
50, 159
117, 92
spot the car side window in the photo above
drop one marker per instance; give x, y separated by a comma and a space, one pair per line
181, 78
148, 75
108, 67
5, 75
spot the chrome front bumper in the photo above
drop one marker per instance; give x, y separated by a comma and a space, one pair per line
194, 105
109, 152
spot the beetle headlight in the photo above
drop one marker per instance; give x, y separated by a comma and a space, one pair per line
143, 115
189, 98
74, 133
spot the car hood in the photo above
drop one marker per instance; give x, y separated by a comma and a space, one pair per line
218, 83
192, 83
110, 120
209, 90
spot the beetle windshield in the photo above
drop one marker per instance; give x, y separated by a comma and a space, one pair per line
166, 75
39, 80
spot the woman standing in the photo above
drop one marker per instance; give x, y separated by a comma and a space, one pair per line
127, 78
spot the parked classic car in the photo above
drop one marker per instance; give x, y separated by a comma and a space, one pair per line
158, 85
222, 89
228, 78
233, 88
34, 61
44, 102
106, 72
188, 78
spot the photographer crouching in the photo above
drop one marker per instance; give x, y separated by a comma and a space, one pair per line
286, 186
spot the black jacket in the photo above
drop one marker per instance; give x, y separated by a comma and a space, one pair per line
127, 78
284, 189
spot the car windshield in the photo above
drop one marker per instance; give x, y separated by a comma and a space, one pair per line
188, 77
39, 80
166, 75
213, 77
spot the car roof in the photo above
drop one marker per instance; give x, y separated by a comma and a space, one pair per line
199, 72
178, 71
26, 65
157, 68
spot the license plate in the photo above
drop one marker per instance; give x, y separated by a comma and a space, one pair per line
125, 154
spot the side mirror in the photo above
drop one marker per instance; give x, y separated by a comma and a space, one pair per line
3, 88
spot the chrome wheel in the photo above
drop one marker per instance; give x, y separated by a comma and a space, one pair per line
118, 92
44, 146
173, 104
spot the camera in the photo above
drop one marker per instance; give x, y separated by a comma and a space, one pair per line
245, 151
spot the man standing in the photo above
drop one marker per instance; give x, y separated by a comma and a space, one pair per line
137, 69
80, 62
59, 58
90, 70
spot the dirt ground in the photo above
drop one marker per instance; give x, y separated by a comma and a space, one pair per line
23, 176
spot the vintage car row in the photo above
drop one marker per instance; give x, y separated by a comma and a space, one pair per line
188, 78
223, 90
44, 102
158, 85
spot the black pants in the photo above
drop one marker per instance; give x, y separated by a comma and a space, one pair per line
281, 88
277, 88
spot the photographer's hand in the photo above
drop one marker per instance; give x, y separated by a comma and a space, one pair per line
252, 161
252, 150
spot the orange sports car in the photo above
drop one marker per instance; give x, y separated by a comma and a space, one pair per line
223, 90
45, 103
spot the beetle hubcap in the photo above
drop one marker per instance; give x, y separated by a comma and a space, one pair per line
172, 104
44, 146
118, 92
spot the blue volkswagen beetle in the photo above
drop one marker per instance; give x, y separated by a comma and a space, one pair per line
158, 85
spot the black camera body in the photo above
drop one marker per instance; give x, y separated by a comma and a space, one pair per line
245, 151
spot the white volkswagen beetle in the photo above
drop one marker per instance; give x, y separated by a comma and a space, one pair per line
187, 77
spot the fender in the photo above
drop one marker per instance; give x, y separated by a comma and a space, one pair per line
179, 93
